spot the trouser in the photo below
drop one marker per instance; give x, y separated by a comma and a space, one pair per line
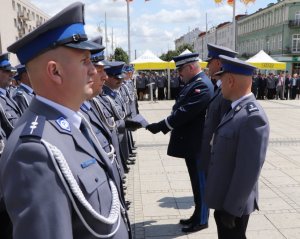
197, 178
5, 223
238, 232
161, 93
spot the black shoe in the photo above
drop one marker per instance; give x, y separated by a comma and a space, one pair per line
129, 162
124, 187
132, 155
186, 221
131, 159
194, 227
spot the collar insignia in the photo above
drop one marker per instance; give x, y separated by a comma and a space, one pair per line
63, 123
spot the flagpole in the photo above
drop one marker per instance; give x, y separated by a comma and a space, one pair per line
234, 26
106, 39
128, 31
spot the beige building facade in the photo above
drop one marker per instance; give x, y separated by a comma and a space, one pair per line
18, 17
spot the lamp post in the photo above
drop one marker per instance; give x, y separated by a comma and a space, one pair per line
128, 31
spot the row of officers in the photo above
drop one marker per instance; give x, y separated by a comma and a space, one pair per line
281, 86
66, 135
158, 83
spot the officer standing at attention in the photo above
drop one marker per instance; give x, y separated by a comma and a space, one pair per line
9, 110
55, 179
24, 93
217, 107
186, 124
238, 152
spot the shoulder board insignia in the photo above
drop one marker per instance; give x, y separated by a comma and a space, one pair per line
63, 124
251, 107
19, 92
34, 128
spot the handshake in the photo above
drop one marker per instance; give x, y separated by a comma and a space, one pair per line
155, 128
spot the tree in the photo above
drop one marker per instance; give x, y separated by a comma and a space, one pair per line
121, 55
171, 53
183, 47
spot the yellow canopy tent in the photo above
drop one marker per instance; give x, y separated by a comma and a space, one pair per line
148, 61
264, 62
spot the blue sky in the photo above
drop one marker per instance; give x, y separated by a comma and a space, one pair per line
155, 24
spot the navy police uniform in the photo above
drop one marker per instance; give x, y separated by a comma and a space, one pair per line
55, 179
217, 107
23, 93
186, 125
238, 152
9, 110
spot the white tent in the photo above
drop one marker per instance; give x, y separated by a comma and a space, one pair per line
149, 61
265, 62
186, 51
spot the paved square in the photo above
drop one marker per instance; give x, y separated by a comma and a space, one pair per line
160, 191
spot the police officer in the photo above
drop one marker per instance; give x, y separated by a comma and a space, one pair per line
141, 82
238, 152
161, 85
9, 110
186, 125
217, 107
111, 89
174, 85
24, 93
55, 179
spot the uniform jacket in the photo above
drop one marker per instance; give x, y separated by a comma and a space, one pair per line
187, 117
103, 135
22, 96
217, 107
11, 114
141, 82
34, 196
238, 153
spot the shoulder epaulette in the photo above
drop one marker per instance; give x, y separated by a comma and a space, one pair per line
19, 92
251, 107
34, 127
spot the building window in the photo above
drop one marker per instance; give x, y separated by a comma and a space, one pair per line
297, 16
279, 41
14, 5
296, 43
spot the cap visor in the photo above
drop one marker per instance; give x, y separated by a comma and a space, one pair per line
121, 76
208, 59
219, 73
8, 68
86, 45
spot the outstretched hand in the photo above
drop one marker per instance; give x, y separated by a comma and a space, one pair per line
154, 128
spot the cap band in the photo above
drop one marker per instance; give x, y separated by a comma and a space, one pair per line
187, 60
58, 36
4, 63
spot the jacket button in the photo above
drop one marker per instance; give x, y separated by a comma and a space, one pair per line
96, 180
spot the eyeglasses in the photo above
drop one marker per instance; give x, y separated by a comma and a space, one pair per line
182, 67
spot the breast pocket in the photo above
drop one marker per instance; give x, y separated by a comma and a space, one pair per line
225, 142
96, 188
11, 116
